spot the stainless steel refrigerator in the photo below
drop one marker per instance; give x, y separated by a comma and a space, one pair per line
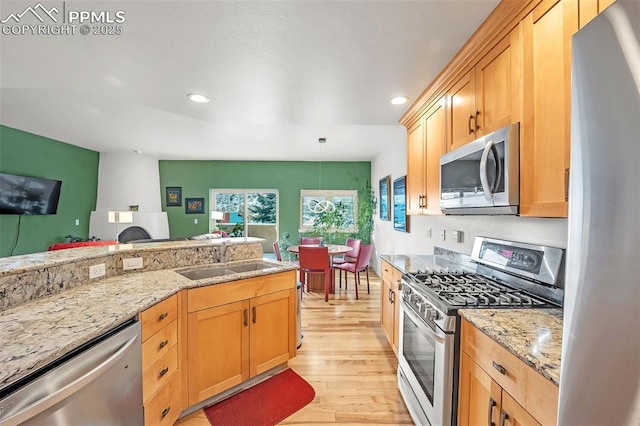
600, 372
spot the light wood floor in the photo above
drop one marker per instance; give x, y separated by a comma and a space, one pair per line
346, 358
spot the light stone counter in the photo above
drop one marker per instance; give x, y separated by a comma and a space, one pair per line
36, 333
408, 263
29, 277
533, 335
34, 261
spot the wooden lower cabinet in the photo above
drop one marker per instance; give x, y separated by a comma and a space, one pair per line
497, 388
161, 376
482, 401
240, 339
389, 300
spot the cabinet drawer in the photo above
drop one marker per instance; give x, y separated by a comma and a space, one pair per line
390, 274
164, 407
387, 271
158, 316
159, 344
528, 388
503, 367
159, 373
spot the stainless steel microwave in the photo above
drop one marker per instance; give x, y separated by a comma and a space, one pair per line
483, 176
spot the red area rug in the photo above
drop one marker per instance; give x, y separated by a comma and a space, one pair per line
266, 403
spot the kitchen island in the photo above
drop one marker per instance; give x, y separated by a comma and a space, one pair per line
40, 330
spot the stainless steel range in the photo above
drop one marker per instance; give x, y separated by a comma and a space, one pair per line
499, 274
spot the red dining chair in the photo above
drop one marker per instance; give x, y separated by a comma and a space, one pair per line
350, 256
362, 264
276, 250
315, 260
310, 241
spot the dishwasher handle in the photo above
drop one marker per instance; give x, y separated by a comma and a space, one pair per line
68, 390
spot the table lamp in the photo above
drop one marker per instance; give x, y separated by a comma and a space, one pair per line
215, 216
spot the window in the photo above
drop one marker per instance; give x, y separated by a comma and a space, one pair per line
259, 206
346, 200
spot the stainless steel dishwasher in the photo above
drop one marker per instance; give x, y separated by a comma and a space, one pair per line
99, 383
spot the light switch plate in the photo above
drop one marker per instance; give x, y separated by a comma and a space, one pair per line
443, 235
428, 232
96, 271
131, 263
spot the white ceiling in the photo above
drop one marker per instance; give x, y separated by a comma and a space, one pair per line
280, 75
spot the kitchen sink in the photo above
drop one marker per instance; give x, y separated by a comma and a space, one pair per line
246, 267
219, 271
209, 272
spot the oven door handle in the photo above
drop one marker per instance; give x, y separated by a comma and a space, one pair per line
422, 324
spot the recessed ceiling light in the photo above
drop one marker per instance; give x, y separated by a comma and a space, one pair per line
137, 151
399, 100
196, 97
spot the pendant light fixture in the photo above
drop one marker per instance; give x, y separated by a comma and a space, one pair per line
314, 205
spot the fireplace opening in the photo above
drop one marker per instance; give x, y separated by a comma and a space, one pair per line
133, 233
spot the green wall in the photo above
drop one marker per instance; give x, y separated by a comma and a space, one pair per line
288, 177
23, 153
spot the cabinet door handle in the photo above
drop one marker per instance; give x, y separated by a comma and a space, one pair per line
492, 403
477, 114
246, 317
469, 124
163, 344
500, 368
166, 411
164, 371
566, 184
163, 316
253, 314
393, 296
503, 417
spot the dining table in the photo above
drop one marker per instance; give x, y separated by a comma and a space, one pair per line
315, 282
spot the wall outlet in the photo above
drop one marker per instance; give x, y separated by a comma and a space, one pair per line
195, 221
96, 271
443, 235
131, 263
77, 222
457, 236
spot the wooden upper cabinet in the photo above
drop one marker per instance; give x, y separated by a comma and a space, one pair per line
588, 9
487, 97
499, 85
462, 111
435, 141
415, 167
425, 144
545, 135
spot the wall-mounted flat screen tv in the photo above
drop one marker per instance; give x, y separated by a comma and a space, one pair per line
28, 195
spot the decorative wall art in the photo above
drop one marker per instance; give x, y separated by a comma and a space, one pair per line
385, 196
194, 205
173, 196
400, 218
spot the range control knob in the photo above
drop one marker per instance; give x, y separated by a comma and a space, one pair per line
432, 315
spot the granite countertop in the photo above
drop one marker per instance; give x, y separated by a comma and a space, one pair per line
533, 335
406, 263
34, 261
36, 333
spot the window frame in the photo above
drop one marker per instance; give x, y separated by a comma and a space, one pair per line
329, 194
